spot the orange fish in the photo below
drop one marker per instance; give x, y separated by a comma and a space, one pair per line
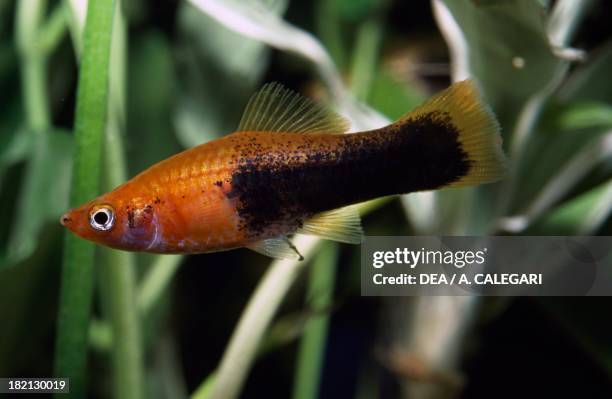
288, 169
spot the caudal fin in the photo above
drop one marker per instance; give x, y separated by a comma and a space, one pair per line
474, 127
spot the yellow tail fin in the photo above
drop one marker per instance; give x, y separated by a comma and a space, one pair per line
479, 131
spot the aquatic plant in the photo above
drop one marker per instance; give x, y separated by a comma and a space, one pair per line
151, 83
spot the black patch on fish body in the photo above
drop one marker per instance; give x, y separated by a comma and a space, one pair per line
281, 190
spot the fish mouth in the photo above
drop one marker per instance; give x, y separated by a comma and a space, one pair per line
65, 219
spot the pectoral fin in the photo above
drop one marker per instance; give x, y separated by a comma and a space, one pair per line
278, 248
342, 224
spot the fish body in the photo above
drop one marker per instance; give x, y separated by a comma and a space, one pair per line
286, 170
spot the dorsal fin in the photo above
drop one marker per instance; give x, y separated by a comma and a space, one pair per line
342, 224
277, 109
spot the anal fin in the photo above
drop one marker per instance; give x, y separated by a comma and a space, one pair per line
342, 224
277, 247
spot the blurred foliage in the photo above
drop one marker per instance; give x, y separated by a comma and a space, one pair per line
189, 74
211, 59
150, 105
497, 32
49, 159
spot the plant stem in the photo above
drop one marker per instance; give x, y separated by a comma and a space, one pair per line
53, 30
246, 338
599, 210
100, 336
204, 390
79, 255
34, 92
312, 346
157, 279
365, 56
148, 294
75, 18
562, 24
118, 268
117, 273
33, 71
29, 18
328, 29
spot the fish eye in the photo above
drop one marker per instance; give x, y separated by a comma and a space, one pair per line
102, 218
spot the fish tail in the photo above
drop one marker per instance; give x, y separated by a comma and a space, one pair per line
462, 131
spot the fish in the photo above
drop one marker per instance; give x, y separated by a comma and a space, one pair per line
292, 168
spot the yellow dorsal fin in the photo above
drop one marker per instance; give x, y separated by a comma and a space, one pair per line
277, 109
342, 224
479, 131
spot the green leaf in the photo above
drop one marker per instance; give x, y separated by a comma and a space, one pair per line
312, 345
261, 23
565, 132
356, 10
505, 46
151, 134
14, 147
214, 83
589, 82
500, 36
579, 115
15, 141
47, 176
583, 214
393, 98
79, 255
117, 269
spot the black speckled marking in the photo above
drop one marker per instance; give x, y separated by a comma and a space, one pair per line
285, 187
130, 216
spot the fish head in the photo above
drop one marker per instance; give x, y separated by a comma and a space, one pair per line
113, 221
